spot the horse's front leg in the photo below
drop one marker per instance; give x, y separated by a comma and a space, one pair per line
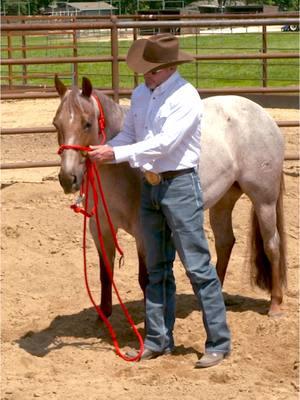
105, 280
106, 286
220, 216
143, 274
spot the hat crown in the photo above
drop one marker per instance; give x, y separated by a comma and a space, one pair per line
158, 51
161, 48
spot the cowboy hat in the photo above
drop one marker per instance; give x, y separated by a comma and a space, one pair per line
158, 51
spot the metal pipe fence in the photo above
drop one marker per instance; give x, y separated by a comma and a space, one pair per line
289, 156
188, 25
51, 129
109, 32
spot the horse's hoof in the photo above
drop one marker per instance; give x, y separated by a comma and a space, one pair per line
275, 314
106, 313
99, 319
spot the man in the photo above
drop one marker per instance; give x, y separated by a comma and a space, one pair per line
161, 136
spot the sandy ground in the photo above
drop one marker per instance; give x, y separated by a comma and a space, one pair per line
53, 347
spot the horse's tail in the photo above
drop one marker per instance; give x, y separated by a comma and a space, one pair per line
261, 271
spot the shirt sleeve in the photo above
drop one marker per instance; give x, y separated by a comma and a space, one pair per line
183, 120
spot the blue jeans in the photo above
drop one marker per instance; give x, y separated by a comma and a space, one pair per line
172, 220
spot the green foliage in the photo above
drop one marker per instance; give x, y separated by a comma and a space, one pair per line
287, 5
203, 74
32, 7
14, 7
23, 7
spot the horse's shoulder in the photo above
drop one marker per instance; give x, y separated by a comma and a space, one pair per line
125, 108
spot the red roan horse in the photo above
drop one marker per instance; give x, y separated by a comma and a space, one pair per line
242, 152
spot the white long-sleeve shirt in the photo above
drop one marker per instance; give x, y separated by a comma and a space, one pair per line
162, 128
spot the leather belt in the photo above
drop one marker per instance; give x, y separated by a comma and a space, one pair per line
155, 179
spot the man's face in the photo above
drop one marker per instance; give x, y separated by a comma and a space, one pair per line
155, 78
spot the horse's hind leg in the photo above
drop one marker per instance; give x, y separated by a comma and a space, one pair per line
220, 216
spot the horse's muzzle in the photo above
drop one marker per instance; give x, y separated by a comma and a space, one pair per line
69, 182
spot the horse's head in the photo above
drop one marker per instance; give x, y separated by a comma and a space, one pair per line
76, 121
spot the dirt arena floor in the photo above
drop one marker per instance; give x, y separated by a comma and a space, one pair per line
53, 347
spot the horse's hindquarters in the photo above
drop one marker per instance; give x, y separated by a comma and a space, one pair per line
240, 143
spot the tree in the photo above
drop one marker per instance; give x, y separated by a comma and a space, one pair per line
288, 5
14, 7
32, 7
23, 7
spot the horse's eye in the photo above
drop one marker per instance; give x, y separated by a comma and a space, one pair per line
87, 125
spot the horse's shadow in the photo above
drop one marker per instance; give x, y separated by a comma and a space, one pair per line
87, 326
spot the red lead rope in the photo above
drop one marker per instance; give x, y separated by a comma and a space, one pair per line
89, 179
91, 173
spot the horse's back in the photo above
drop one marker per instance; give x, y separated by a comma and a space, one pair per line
240, 120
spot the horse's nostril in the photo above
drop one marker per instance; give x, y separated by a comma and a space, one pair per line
67, 181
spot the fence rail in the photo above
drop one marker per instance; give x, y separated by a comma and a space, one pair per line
51, 129
256, 20
133, 25
192, 24
291, 156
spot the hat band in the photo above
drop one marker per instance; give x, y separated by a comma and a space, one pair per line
168, 55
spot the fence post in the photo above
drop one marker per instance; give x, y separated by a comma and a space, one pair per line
24, 67
115, 62
9, 55
135, 75
264, 60
75, 54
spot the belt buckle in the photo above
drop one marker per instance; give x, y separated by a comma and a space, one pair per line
152, 178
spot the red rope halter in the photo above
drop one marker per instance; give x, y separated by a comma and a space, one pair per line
92, 180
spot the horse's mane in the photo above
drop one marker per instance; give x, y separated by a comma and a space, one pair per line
114, 114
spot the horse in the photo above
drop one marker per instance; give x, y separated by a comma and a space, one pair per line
242, 151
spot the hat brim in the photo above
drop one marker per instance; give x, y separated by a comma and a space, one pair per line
136, 62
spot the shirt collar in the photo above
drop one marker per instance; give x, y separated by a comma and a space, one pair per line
166, 84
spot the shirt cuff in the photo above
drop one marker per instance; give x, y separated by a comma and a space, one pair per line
126, 154
122, 153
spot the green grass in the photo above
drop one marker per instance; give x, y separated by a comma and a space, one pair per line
204, 74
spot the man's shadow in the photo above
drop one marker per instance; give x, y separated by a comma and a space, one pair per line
87, 325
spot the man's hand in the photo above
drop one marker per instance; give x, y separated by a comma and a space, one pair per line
101, 153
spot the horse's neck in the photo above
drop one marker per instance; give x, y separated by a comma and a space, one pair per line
113, 114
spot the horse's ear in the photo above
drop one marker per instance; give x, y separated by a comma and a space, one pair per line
87, 87
60, 87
